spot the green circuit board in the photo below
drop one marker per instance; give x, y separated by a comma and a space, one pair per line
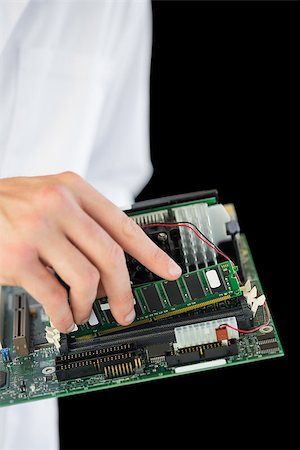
105, 355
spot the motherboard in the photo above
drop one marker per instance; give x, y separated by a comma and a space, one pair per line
215, 315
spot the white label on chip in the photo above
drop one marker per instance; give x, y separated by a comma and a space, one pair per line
105, 306
93, 319
213, 278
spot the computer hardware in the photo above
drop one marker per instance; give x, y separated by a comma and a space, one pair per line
214, 315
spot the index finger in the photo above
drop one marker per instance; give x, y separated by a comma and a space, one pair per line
126, 232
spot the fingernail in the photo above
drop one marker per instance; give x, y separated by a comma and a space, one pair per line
130, 317
73, 328
174, 269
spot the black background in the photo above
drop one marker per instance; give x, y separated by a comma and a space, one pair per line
223, 115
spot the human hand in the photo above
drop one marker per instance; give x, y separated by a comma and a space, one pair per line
61, 222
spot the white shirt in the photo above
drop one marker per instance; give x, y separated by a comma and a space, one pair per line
74, 95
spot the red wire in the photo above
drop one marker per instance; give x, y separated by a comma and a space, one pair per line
197, 234
253, 329
224, 256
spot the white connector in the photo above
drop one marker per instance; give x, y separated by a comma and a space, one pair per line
250, 294
53, 336
204, 333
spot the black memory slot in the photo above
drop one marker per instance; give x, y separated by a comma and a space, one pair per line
174, 293
194, 286
152, 298
162, 331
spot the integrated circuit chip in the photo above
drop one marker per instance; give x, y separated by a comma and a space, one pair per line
109, 316
156, 350
152, 298
194, 286
137, 306
266, 336
98, 316
269, 346
174, 293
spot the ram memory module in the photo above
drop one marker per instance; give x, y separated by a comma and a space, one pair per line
162, 299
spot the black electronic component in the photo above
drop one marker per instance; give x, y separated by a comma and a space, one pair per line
3, 378
266, 337
77, 370
137, 306
138, 310
174, 293
97, 314
112, 362
110, 318
182, 359
194, 286
23, 387
39, 340
157, 350
152, 298
269, 346
49, 377
221, 351
21, 324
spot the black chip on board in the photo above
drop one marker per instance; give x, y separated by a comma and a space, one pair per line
266, 336
174, 293
269, 346
194, 286
137, 306
97, 314
152, 298
2, 378
157, 350
109, 316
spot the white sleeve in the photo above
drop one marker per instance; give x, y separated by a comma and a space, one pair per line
120, 164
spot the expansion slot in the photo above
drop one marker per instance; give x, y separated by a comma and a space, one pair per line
112, 362
162, 330
21, 325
